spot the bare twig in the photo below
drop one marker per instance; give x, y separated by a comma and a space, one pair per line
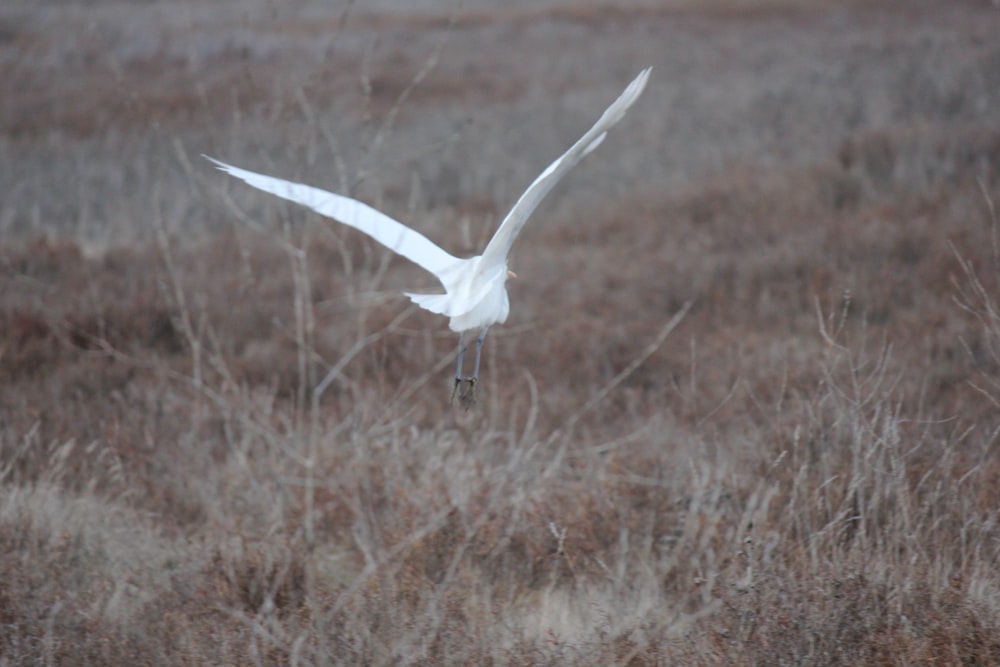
647, 352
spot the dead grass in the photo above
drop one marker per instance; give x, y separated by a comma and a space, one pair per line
797, 476
803, 471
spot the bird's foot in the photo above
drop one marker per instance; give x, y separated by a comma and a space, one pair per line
465, 390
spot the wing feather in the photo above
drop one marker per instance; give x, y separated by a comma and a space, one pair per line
394, 235
499, 246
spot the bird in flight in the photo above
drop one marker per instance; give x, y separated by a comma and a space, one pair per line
475, 295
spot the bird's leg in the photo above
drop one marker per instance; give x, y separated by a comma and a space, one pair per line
458, 368
461, 356
479, 350
467, 395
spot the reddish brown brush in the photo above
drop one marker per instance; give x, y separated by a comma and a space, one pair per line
801, 471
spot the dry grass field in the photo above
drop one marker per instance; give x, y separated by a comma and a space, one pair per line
745, 411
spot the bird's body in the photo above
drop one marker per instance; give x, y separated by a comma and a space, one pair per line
475, 295
472, 304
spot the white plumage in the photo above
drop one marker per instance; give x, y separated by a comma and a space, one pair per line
475, 294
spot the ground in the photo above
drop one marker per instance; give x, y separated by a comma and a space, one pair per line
745, 410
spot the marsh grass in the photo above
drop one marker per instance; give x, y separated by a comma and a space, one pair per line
820, 488
750, 421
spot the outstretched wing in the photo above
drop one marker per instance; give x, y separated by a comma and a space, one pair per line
498, 247
394, 235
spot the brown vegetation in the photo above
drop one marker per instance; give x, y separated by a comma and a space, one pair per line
803, 471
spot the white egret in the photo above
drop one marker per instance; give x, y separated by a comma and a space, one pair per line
475, 294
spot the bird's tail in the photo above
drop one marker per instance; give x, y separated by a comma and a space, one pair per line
436, 303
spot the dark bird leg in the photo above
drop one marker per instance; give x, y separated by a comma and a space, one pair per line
479, 351
458, 368
461, 356
467, 393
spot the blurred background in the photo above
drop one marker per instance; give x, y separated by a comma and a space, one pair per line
107, 105
801, 469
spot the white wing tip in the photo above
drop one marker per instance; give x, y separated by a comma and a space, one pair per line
616, 111
219, 164
638, 84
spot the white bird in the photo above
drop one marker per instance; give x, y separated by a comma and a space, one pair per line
475, 294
